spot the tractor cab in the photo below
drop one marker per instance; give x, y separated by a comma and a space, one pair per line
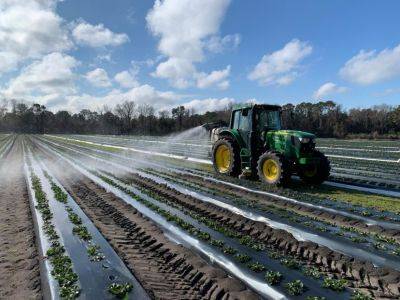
254, 145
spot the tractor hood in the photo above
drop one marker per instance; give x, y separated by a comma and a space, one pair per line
296, 133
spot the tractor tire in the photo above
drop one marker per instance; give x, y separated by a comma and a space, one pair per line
317, 173
226, 157
273, 169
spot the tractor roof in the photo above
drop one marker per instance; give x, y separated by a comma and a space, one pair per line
261, 106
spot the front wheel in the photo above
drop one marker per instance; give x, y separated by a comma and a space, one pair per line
316, 173
226, 157
273, 169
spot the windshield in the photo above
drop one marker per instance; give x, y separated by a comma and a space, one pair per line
269, 119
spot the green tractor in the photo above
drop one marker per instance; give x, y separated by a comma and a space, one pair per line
254, 145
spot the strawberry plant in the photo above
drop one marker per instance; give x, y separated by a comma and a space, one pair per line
274, 255
312, 272
243, 258
82, 232
290, 263
295, 287
229, 250
120, 290
217, 243
358, 295
62, 270
256, 267
337, 285
94, 253
273, 278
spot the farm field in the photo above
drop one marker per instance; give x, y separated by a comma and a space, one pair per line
356, 162
145, 218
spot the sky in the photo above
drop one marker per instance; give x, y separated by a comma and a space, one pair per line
203, 54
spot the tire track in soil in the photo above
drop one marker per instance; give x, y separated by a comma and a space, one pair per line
262, 200
382, 282
166, 270
19, 261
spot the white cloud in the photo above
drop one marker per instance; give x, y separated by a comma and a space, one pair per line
178, 71
280, 67
328, 89
97, 35
126, 79
98, 77
211, 104
29, 29
144, 94
371, 67
217, 78
183, 27
217, 44
52, 75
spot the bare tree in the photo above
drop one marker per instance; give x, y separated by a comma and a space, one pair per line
126, 111
146, 113
3, 107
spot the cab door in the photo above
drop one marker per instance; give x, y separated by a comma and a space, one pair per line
244, 127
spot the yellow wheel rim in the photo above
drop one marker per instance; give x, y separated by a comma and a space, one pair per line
270, 170
223, 158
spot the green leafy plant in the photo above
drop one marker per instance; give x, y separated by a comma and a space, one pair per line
69, 292
290, 263
217, 243
243, 258
337, 285
82, 232
274, 255
256, 267
74, 218
312, 272
357, 239
94, 253
358, 295
62, 270
55, 250
273, 278
295, 287
396, 251
229, 250
379, 246
120, 290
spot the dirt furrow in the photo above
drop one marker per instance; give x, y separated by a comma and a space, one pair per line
166, 270
19, 261
336, 219
382, 282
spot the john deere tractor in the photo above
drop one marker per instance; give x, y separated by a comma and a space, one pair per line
254, 145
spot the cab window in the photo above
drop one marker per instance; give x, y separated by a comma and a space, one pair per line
245, 120
236, 119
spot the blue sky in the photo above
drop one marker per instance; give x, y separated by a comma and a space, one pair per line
204, 54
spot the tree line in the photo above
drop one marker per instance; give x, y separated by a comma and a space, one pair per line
326, 119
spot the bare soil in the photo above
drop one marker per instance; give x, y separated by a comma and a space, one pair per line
381, 282
262, 200
19, 261
166, 270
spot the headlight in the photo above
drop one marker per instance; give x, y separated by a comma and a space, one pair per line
304, 140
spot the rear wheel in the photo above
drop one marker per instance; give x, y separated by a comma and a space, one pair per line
273, 169
316, 173
226, 157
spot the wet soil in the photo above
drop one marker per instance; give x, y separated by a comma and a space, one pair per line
262, 200
166, 270
381, 282
19, 261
